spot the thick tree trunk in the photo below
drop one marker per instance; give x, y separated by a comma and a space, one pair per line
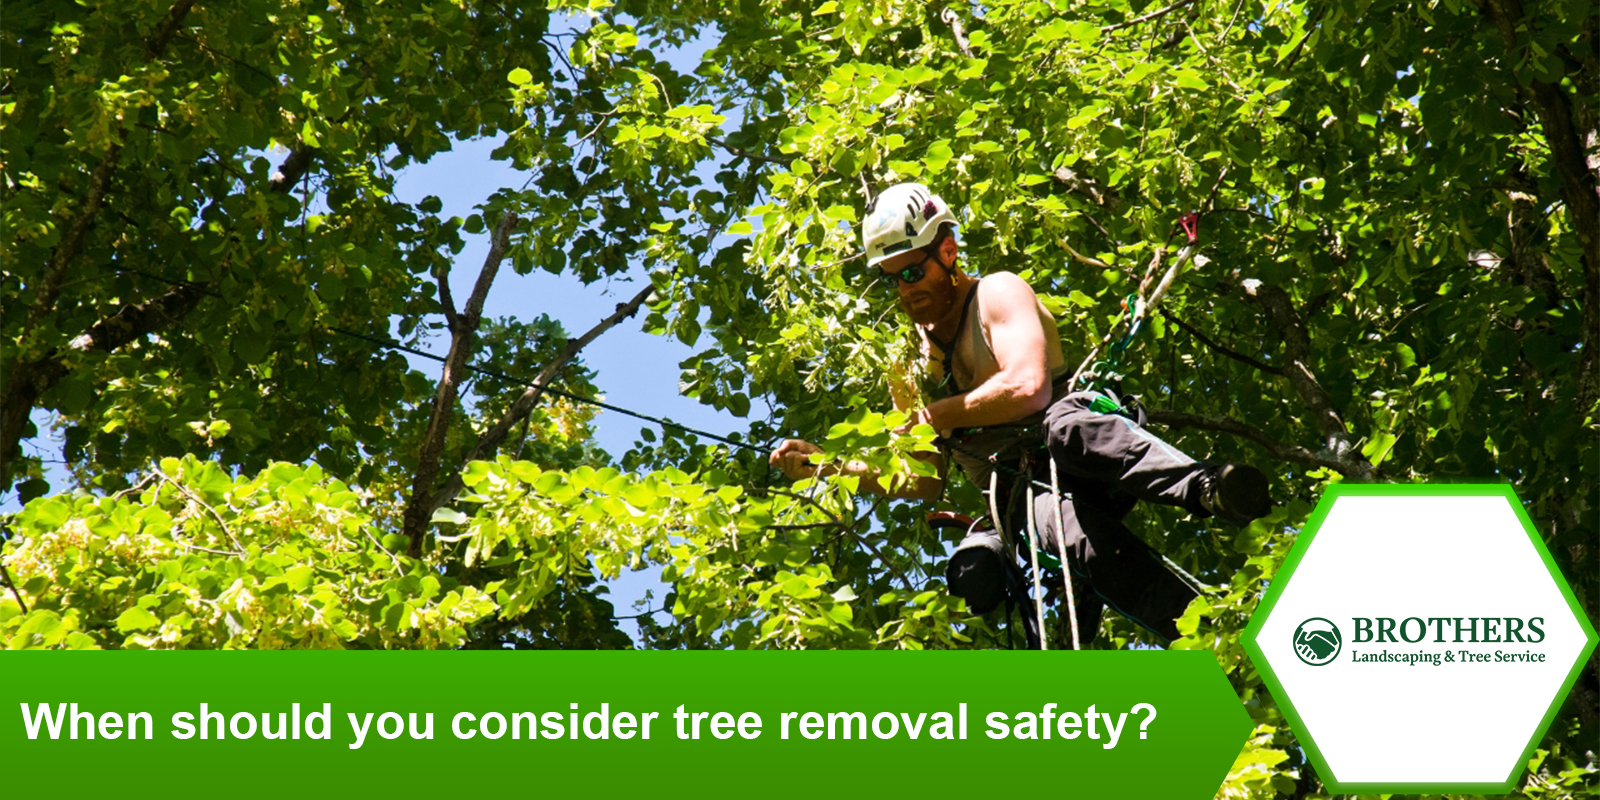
1579, 189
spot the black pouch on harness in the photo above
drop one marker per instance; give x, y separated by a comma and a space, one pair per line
978, 571
1129, 405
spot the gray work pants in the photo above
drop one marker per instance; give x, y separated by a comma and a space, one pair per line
1107, 463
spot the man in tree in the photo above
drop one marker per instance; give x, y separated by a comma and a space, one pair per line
999, 398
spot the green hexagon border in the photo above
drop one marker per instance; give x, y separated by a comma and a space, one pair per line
1292, 561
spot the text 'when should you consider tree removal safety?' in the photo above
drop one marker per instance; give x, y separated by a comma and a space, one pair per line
1093, 726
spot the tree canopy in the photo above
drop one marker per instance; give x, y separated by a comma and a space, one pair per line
205, 262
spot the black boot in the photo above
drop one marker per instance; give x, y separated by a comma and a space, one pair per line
1235, 493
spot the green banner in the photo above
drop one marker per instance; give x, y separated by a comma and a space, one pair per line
781, 724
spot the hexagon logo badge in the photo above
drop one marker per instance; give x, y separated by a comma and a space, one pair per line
1419, 638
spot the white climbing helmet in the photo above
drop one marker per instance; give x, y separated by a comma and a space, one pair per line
904, 217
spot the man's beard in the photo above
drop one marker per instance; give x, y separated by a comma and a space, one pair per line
932, 305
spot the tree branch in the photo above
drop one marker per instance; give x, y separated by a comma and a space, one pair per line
446, 301
31, 379
292, 169
168, 27
196, 499
7, 576
1086, 185
1147, 17
1219, 347
1275, 302
418, 509
1279, 451
491, 439
66, 251
850, 528
752, 156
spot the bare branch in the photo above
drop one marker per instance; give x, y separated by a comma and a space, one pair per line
1278, 450
196, 499
418, 509
1219, 347
446, 300
1147, 17
292, 169
746, 154
1090, 260
491, 439
491, 267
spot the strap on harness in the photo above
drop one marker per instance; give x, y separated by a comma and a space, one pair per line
948, 349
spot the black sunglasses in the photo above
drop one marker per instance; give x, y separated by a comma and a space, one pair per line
907, 275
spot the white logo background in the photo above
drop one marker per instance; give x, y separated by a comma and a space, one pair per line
1425, 557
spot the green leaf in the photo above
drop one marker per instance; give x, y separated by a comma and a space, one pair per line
43, 622
449, 515
137, 619
639, 495
78, 640
1379, 447
1408, 357
1086, 33
520, 77
842, 213
299, 579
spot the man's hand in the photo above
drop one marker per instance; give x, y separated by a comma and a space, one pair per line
793, 457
